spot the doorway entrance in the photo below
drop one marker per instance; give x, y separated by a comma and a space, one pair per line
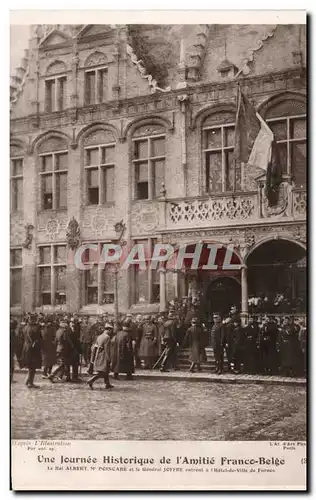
221, 294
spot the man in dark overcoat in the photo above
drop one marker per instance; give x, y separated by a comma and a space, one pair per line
63, 352
148, 346
251, 334
32, 355
170, 343
217, 342
268, 335
101, 358
74, 334
48, 346
123, 354
289, 348
86, 340
195, 339
13, 338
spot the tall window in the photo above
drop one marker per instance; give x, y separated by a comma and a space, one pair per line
15, 276
55, 93
99, 167
146, 281
218, 147
96, 85
53, 172
98, 281
290, 135
16, 184
52, 274
149, 155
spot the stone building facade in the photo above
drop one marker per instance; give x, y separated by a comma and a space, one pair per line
135, 123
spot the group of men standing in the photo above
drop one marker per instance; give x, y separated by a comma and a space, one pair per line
62, 345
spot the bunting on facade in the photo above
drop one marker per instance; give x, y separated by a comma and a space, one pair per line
255, 145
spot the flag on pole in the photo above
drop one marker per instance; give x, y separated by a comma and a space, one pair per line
255, 145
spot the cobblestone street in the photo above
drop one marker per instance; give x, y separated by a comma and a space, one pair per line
158, 409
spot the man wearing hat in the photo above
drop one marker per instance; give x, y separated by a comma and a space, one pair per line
13, 325
63, 352
123, 358
48, 346
195, 339
217, 342
101, 357
32, 355
169, 342
74, 334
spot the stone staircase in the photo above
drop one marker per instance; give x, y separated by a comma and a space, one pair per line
209, 366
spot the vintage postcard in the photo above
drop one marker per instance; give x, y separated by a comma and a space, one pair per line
158, 250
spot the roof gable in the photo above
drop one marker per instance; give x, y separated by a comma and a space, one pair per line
55, 38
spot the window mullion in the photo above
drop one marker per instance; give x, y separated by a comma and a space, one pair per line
100, 179
288, 147
100, 269
224, 180
53, 276
149, 273
54, 205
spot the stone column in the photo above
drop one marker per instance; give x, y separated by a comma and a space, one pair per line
244, 295
163, 301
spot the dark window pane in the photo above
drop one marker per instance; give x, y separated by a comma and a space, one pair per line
214, 172
61, 190
47, 163
45, 278
108, 174
46, 299
92, 295
17, 194
141, 284
213, 138
17, 166
92, 156
108, 279
142, 191
60, 278
142, 172
60, 298
61, 161
47, 190
16, 257
45, 255
90, 87
229, 166
16, 285
103, 85
61, 93
229, 136
282, 151
159, 176
279, 129
108, 155
141, 149
60, 254
298, 128
50, 104
299, 163
158, 147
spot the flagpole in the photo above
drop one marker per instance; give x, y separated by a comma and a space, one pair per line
237, 113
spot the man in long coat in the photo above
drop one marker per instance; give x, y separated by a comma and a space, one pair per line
32, 356
289, 348
13, 325
217, 342
123, 354
251, 334
101, 358
195, 339
48, 346
148, 346
170, 343
86, 339
267, 340
74, 334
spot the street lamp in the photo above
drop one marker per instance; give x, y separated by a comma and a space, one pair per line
119, 229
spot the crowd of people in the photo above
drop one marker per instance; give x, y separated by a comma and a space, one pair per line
64, 345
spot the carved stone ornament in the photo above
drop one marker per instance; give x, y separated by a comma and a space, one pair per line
280, 207
73, 234
28, 236
153, 84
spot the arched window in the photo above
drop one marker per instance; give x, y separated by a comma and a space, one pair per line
287, 120
55, 87
99, 163
218, 135
96, 79
149, 155
53, 170
16, 177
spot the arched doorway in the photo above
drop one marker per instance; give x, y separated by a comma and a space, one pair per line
221, 294
277, 277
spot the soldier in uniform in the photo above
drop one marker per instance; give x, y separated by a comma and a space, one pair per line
170, 343
20, 340
74, 334
267, 341
289, 348
86, 340
123, 358
217, 342
48, 346
303, 345
32, 356
13, 325
63, 351
101, 357
148, 345
195, 338
251, 334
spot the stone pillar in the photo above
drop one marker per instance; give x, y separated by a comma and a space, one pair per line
163, 301
244, 295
